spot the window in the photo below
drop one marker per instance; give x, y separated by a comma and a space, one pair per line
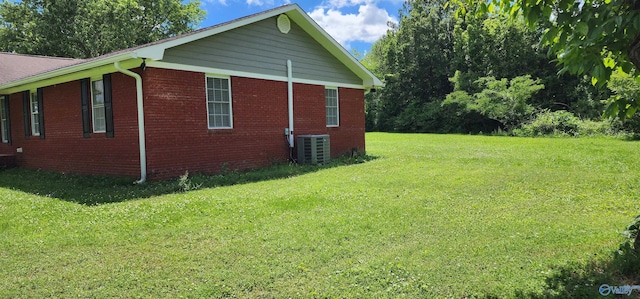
35, 115
97, 107
4, 119
331, 102
219, 103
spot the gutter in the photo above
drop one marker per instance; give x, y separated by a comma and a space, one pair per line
141, 135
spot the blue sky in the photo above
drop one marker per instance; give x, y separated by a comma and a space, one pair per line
355, 24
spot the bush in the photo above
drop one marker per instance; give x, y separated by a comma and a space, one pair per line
631, 125
592, 128
563, 123
551, 123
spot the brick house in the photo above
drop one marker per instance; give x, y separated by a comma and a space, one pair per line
235, 94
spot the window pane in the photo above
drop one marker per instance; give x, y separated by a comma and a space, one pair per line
35, 124
97, 106
224, 109
34, 103
5, 131
3, 121
99, 123
35, 119
97, 91
3, 114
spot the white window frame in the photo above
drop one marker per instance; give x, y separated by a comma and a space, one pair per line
35, 115
336, 107
230, 101
94, 106
4, 124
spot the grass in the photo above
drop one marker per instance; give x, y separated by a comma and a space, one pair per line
431, 216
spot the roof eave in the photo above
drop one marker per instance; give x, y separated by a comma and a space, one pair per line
297, 15
156, 51
69, 70
321, 36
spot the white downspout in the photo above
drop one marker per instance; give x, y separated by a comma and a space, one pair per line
290, 101
141, 136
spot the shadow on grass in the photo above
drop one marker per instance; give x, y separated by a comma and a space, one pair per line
632, 137
95, 190
620, 269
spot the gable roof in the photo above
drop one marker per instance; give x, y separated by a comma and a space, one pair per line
155, 50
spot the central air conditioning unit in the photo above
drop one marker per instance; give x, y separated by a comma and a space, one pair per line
314, 149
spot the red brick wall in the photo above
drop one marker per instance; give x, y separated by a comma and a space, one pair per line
177, 137
310, 117
64, 149
350, 134
177, 100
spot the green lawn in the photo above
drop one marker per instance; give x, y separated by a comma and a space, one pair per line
429, 216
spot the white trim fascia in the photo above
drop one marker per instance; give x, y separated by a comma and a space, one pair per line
334, 47
327, 83
208, 70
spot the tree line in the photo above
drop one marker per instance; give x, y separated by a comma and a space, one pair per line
90, 28
452, 72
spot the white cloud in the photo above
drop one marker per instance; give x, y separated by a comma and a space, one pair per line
368, 25
268, 3
344, 3
221, 2
255, 2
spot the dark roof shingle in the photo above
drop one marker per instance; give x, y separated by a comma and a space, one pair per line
17, 66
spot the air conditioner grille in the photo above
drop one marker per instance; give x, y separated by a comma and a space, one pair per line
314, 149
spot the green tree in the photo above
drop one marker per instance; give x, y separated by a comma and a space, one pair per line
417, 56
593, 37
496, 45
89, 28
413, 58
626, 92
505, 101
